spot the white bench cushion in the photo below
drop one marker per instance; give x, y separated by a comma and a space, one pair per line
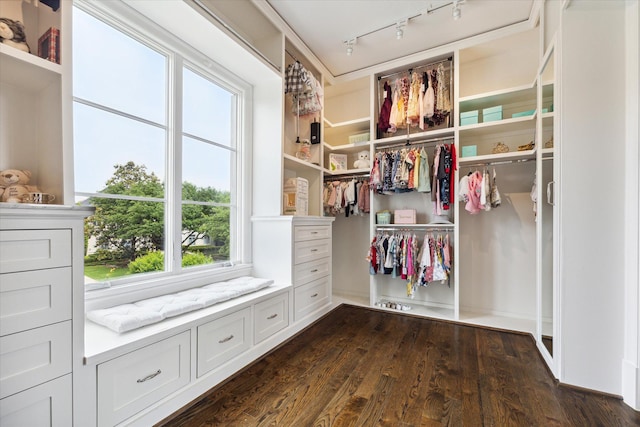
126, 317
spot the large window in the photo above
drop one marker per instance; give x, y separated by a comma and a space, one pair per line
157, 148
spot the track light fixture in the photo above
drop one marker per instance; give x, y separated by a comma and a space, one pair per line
457, 10
400, 29
350, 44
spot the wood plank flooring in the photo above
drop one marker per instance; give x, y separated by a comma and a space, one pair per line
363, 367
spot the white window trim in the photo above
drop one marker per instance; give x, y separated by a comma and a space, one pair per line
131, 22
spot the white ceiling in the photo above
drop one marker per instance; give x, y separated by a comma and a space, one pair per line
324, 25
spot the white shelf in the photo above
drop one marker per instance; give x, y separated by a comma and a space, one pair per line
430, 225
292, 162
27, 71
512, 156
547, 152
512, 95
499, 126
349, 148
346, 123
549, 115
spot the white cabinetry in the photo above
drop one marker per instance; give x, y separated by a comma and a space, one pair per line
296, 250
40, 261
34, 120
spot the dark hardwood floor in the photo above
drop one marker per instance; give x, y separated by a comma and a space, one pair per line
362, 367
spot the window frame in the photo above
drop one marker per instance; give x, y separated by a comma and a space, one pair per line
182, 55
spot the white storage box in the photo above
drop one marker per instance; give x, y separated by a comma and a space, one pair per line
296, 197
404, 216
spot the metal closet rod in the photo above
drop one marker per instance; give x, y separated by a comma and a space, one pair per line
404, 228
413, 144
500, 162
409, 70
345, 177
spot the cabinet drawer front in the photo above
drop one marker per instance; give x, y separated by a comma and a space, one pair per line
223, 339
48, 404
271, 316
23, 250
310, 297
308, 271
34, 298
33, 357
130, 383
311, 232
311, 250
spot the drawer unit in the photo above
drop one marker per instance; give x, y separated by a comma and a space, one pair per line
34, 298
308, 271
48, 404
34, 356
271, 316
311, 296
309, 250
130, 383
24, 250
311, 232
222, 339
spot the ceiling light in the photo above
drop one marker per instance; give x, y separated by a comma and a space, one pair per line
350, 44
400, 29
457, 11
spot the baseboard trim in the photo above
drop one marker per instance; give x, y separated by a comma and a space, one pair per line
631, 384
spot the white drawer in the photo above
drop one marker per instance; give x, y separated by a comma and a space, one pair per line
48, 404
271, 316
310, 297
34, 298
33, 357
308, 271
310, 250
311, 232
24, 250
130, 383
222, 339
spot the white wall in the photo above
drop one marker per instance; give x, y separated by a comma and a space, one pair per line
592, 194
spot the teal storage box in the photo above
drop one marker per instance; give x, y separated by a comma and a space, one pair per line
523, 113
492, 114
469, 151
469, 118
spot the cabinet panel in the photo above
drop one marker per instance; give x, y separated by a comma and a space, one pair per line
22, 250
271, 316
310, 297
48, 404
302, 233
130, 383
34, 298
308, 271
223, 339
311, 250
35, 356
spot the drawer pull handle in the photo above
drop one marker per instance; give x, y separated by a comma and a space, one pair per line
273, 316
315, 270
149, 377
314, 232
314, 250
314, 295
227, 339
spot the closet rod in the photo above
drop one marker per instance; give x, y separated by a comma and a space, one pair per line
417, 143
427, 227
291, 55
500, 162
449, 59
345, 177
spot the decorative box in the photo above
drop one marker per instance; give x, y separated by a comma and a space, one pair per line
404, 216
469, 118
337, 162
49, 45
492, 114
361, 137
296, 197
469, 150
383, 217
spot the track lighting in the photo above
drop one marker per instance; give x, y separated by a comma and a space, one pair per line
400, 29
350, 44
456, 11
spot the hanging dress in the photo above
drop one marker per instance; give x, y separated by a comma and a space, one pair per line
385, 110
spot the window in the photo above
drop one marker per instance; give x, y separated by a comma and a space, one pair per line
158, 151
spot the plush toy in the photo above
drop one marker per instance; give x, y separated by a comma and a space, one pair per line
12, 34
14, 183
363, 161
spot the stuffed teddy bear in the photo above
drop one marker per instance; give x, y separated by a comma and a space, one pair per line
14, 185
12, 34
363, 160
